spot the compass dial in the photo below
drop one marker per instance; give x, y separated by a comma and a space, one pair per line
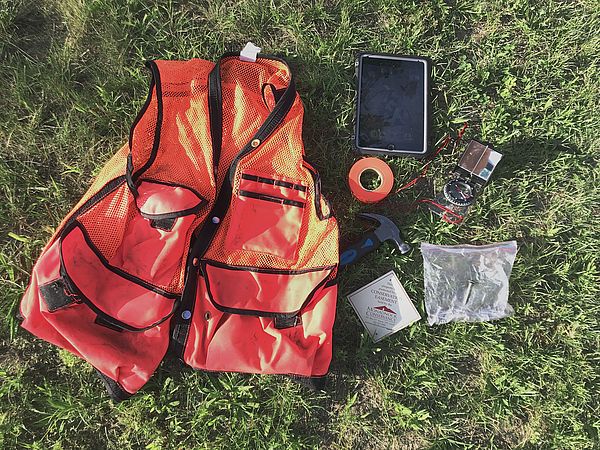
459, 192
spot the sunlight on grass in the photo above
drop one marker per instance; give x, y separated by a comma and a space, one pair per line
523, 74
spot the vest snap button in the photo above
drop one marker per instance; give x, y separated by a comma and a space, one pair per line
215, 220
185, 315
195, 262
255, 143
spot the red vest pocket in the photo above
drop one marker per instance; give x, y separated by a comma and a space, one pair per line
263, 320
118, 297
267, 215
148, 236
262, 292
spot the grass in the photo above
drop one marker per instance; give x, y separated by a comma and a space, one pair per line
524, 74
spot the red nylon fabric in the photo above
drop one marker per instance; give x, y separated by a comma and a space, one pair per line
272, 292
130, 358
157, 199
118, 297
217, 342
266, 222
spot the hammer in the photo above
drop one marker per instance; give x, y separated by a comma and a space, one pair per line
386, 231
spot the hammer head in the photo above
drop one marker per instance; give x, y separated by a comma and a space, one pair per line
388, 231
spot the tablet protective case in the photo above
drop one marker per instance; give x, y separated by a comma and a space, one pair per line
392, 105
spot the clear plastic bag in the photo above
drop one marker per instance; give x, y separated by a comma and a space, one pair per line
467, 282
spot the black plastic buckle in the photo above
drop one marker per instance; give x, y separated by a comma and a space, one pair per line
57, 295
282, 322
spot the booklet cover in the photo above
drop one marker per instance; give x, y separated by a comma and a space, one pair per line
383, 306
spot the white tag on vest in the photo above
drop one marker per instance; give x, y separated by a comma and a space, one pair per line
383, 306
249, 52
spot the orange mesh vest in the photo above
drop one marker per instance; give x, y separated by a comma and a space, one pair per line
207, 236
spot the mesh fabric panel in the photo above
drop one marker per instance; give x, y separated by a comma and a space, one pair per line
244, 111
106, 222
184, 154
114, 168
143, 132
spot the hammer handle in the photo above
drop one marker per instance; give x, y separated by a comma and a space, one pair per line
359, 249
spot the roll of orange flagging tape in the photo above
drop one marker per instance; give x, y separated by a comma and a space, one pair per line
381, 169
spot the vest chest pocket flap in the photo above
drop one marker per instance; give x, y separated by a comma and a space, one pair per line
263, 292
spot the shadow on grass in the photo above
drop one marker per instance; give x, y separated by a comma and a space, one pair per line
30, 28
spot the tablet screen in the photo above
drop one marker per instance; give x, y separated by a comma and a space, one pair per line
392, 103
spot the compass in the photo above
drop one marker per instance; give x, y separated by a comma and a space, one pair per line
459, 192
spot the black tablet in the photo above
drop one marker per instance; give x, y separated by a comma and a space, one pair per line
392, 108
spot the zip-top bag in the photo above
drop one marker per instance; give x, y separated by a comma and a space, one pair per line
207, 236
